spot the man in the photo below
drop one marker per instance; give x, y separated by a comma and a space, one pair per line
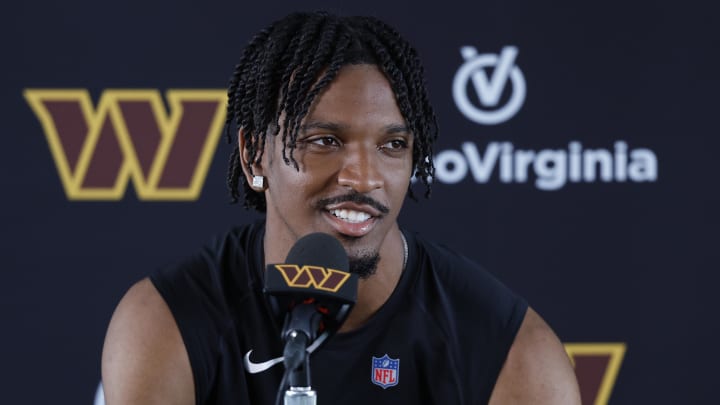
332, 120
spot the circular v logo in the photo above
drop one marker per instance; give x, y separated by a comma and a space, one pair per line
489, 89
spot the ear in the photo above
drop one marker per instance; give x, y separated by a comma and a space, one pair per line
249, 170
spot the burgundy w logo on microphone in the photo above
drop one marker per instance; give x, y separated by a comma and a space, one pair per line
312, 277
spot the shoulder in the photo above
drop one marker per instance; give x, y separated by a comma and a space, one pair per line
199, 281
448, 263
144, 360
537, 369
153, 346
469, 287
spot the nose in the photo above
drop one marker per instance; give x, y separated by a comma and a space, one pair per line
361, 170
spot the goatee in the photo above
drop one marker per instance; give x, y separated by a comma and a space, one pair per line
364, 265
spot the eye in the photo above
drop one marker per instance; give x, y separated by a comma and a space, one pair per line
320, 142
395, 144
324, 141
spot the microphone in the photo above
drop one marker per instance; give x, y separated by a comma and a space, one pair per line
314, 292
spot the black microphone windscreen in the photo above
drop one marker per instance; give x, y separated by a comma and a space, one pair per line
319, 249
313, 290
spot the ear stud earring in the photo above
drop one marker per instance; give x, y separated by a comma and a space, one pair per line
258, 183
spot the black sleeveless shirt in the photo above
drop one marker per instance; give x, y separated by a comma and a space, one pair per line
441, 338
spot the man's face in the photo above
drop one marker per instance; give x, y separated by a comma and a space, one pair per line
354, 153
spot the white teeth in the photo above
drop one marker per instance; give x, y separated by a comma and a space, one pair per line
351, 216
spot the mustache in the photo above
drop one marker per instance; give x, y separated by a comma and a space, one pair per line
354, 197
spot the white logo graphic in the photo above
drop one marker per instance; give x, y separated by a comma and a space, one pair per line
254, 368
99, 395
489, 90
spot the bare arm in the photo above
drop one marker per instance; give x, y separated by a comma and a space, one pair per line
144, 360
537, 370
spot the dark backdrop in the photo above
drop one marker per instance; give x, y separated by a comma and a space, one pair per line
629, 258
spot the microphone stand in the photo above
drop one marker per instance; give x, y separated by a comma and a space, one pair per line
299, 331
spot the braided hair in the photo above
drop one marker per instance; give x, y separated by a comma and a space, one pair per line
287, 65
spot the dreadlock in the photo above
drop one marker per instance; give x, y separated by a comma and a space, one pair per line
287, 65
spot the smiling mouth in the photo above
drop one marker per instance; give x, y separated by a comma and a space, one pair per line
351, 216
351, 222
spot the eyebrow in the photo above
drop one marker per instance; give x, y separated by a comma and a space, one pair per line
397, 128
336, 127
330, 126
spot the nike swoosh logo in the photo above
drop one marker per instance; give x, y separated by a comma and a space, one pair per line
254, 368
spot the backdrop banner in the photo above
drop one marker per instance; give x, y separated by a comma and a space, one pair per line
576, 161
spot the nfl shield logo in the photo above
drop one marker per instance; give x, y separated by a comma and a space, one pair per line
385, 371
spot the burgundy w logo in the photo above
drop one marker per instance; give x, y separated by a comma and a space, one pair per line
596, 366
313, 276
130, 137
